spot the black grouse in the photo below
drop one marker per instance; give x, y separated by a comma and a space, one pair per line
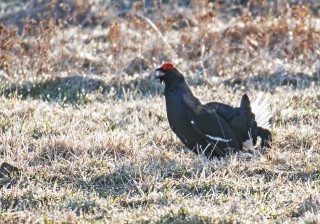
213, 129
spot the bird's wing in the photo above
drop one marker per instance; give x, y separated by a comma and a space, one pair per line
236, 117
214, 129
240, 119
225, 111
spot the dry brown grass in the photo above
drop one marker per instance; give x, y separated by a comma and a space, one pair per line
83, 119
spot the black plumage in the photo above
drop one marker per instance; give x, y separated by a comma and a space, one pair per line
242, 121
212, 129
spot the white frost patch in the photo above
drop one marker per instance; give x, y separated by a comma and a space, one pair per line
248, 144
218, 138
192, 122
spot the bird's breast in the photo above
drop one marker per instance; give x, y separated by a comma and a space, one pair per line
176, 112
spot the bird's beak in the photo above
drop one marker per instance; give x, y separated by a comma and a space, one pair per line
159, 74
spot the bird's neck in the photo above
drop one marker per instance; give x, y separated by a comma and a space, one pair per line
180, 101
180, 96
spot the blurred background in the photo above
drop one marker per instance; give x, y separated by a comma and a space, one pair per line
83, 121
276, 42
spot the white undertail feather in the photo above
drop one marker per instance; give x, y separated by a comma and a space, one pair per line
248, 144
261, 108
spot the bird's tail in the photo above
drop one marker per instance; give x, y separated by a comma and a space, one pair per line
261, 109
245, 102
258, 121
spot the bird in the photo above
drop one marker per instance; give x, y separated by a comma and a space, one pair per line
213, 129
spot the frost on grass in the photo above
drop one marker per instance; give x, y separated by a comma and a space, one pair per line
84, 121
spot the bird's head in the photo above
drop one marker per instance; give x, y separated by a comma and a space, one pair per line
169, 74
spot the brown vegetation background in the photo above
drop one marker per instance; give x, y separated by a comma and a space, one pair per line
84, 121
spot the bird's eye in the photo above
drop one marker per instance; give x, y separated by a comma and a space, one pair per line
159, 74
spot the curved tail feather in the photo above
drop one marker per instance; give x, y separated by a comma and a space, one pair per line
261, 109
245, 102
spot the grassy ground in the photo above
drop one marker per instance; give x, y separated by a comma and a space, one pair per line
84, 121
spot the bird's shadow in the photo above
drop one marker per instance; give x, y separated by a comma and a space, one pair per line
75, 89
